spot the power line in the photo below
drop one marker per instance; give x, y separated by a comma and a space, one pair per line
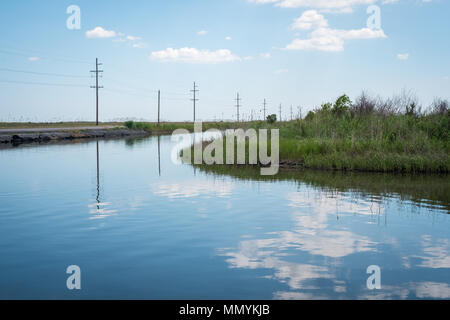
195, 99
127, 93
9, 52
42, 73
44, 83
159, 106
96, 87
264, 108
237, 106
299, 112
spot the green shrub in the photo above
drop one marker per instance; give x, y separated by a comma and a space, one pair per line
272, 118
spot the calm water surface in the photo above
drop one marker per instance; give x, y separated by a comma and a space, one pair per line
141, 227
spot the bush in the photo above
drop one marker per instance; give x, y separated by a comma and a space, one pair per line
309, 116
342, 105
129, 124
439, 107
272, 118
364, 105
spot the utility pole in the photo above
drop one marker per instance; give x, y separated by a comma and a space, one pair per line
299, 112
237, 106
291, 114
159, 106
264, 109
195, 99
280, 112
96, 87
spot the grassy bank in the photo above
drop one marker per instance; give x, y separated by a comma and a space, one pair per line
368, 135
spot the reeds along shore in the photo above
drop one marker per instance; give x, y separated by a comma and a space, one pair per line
371, 134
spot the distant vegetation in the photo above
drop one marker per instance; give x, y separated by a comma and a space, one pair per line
60, 124
169, 127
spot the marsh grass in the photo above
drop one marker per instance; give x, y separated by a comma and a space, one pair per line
391, 135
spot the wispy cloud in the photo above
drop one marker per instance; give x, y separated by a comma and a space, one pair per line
99, 32
403, 56
33, 59
202, 32
133, 38
139, 45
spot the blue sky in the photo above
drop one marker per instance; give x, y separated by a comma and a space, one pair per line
290, 52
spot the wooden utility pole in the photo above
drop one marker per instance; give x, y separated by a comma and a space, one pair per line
237, 106
264, 108
96, 87
159, 106
291, 114
194, 99
280, 112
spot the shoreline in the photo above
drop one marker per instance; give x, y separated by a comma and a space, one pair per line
16, 137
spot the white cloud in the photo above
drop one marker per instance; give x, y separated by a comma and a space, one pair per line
33, 59
266, 55
324, 38
132, 38
334, 6
310, 19
228, 38
140, 45
403, 56
263, 1
202, 32
319, 4
99, 32
324, 4
193, 55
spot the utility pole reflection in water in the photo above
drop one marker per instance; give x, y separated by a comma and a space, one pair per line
98, 180
159, 155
